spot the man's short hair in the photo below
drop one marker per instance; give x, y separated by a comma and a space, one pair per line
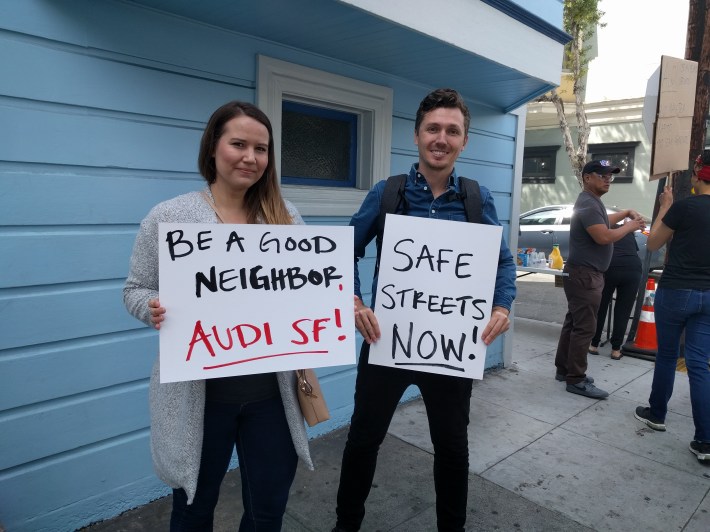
442, 98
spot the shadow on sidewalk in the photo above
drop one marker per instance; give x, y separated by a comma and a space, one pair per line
402, 498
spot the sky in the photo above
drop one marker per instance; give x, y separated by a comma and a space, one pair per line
637, 34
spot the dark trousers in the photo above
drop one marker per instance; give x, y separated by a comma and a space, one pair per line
625, 281
378, 390
583, 289
267, 463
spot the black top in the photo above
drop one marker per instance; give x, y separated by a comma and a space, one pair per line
688, 264
626, 253
243, 389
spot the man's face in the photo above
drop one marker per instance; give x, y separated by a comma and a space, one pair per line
598, 184
440, 139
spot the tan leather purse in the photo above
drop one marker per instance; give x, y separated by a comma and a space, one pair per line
310, 397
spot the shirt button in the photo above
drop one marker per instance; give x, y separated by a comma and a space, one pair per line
425, 187
433, 211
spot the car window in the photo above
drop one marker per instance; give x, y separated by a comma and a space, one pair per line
546, 217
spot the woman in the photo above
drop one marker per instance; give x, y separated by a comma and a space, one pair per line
682, 302
195, 425
622, 277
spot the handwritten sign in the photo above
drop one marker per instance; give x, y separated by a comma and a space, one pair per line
434, 295
245, 299
676, 104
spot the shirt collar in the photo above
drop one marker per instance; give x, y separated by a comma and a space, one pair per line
419, 179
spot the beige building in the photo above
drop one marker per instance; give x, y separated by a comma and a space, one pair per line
626, 53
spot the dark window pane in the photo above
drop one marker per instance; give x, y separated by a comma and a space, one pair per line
318, 145
617, 159
620, 154
539, 164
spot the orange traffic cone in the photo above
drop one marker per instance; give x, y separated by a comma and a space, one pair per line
646, 333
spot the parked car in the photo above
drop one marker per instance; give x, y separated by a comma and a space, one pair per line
542, 227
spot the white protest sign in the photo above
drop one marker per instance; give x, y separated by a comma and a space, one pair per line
245, 299
434, 295
668, 114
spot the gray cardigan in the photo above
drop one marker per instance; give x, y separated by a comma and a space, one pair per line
177, 408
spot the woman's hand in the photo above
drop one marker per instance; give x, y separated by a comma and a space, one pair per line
366, 322
157, 313
665, 199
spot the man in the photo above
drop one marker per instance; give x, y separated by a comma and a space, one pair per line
432, 190
590, 248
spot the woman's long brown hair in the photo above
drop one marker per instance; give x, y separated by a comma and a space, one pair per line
264, 202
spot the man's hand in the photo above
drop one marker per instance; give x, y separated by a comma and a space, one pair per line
500, 322
634, 215
366, 322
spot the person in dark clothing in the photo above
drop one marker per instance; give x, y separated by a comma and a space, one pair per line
682, 306
623, 276
432, 190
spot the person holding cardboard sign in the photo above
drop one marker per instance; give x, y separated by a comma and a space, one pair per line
431, 189
682, 306
195, 425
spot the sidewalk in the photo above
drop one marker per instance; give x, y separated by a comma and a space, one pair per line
541, 459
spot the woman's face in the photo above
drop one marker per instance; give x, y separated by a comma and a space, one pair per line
242, 153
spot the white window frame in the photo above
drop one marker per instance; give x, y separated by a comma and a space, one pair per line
279, 80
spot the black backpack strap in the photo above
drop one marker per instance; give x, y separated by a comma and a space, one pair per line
392, 196
471, 196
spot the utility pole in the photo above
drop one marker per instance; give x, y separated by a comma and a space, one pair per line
697, 48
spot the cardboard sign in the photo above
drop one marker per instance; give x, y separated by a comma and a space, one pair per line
245, 299
676, 104
434, 295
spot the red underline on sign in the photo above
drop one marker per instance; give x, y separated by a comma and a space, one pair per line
266, 356
425, 364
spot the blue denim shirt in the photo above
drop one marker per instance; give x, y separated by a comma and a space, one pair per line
446, 207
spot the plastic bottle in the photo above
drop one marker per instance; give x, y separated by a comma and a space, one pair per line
556, 256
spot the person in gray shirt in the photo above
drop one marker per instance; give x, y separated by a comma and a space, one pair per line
590, 250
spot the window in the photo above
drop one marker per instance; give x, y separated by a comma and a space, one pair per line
369, 105
318, 146
542, 217
620, 154
539, 164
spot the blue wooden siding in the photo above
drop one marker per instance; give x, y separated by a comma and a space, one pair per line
102, 105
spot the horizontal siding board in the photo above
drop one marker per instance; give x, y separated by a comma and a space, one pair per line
50, 485
41, 259
492, 149
87, 199
93, 140
74, 367
48, 429
72, 78
74, 313
338, 387
130, 31
99, 507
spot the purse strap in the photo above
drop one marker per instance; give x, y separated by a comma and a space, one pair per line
303, 383
212, 204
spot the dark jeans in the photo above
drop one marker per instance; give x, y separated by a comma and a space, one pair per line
583, 288
676, 310
267, 463
625, 281
378, 390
